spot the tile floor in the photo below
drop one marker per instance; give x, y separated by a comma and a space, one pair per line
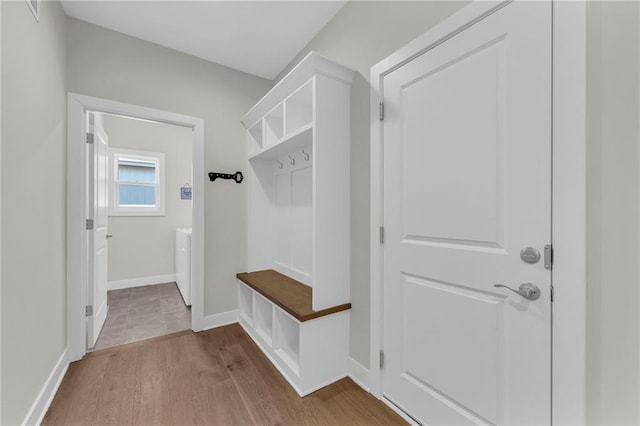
143, 312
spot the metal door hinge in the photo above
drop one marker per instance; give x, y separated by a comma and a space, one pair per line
89, 138
548, 257
88, 310
382, 235
89, 224
381, 111
381, 359
552, 295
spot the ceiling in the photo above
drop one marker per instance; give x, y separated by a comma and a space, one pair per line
257, 37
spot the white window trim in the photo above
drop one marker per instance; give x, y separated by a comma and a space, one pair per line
114, 208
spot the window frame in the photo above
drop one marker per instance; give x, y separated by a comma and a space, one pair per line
114, 209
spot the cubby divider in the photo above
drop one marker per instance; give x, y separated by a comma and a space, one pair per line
255, 138
246, 305
274, 126
299, 108
263, 319
287, 340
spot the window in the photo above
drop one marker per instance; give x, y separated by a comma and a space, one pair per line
136, 183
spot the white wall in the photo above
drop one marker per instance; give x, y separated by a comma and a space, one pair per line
144, 246
33, 202
360, 35
613, 189
110, 65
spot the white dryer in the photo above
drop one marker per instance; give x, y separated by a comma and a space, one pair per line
183, 263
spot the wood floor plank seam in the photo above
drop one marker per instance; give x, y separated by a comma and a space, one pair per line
242, 397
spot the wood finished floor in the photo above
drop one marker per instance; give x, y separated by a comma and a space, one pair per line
216, 377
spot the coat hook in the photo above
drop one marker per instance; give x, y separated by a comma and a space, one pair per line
306, 156
280, 165
293, 160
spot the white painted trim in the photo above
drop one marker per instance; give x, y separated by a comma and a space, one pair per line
219, 320
569, 197
77, 244
76, 192
376, 221
401, 413
35, 11
114, 209
358, 374
43, 400
448, 28
139, 282
569, 226
0, 206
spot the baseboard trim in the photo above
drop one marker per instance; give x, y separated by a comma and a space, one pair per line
139, 282
359, 374
398, 411
48, 391
218, 320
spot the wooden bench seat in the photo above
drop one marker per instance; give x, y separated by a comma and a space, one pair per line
290, 295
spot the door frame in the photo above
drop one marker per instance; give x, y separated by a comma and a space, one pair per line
77, 242
568, 212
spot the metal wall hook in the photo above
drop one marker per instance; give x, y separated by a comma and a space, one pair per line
306, 156
280, 165
293, 160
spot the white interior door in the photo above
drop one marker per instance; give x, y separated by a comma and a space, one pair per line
467, 185
97, 211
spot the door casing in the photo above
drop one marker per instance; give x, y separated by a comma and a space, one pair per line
77, 242
568, 197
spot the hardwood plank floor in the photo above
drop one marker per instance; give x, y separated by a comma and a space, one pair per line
217, 377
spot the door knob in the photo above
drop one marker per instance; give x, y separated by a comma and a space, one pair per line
527, 290
109, 236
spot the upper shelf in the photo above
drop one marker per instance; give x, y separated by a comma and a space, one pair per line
312, 64
297, 140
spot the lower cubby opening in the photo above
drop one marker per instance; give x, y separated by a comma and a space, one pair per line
287, 340
263, 321
246, 304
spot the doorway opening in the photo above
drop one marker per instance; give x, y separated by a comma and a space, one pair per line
134, 197
148, 220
